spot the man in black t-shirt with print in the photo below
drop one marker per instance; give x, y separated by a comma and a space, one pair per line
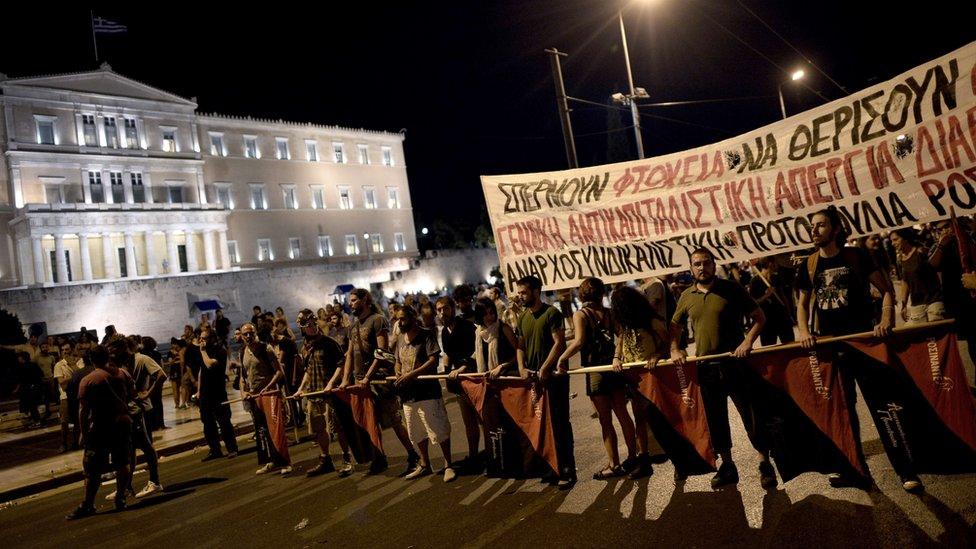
835, 282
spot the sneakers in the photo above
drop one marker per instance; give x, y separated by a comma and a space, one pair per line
268, 467
767, 475
151, 488
912, 484
642, 469
285, 470
412, 460
566, 482
378, 465
838, 480
418, 471
80, 512
212, 456
325, 466
449, 474
345, 469
727, 474
111, 495
232, 455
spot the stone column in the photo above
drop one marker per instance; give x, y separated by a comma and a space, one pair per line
86, 270
208, 251
151, 269
172, 252
37, 252
109, 260
224, 252
86, 187
191, 252
130, 256
59, 260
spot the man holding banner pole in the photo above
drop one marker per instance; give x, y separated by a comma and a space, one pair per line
261, 387
541, 341
717, 308
834, 296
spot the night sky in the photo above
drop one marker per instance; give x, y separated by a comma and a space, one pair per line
471, 83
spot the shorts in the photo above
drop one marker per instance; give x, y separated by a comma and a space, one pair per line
321, 416
64, 413
97, 454
604, 383
427, 419
917, 314
387, 411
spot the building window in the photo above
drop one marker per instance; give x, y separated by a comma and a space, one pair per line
352, 245
224, 196
311, 150
138, 189
325, 245
295, 248
369, 198
235, 256
217, 144
67, 260
290, 198
258, 200
95, 184
176, 194
45, 129
281, 148
339, 153
181, 257
118, 192
89, 129
131, 134
251, 147
398, 243
387, 156
318, 197
264, 250
392, 198
363, 153
345, 199
169, 140
376, 243
54, 193
111, 133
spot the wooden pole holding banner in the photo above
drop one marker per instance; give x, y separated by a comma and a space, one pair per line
761, 350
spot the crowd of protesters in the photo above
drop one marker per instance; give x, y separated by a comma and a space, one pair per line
110, 391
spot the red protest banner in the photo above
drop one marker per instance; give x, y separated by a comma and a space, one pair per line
273, 408
354, 409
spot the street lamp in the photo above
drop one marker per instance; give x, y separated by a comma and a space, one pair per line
635, 93
797, 75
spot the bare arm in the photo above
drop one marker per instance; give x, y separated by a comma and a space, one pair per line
558, 346
881, 282
678, 354
758, 321
382, 339
579, 328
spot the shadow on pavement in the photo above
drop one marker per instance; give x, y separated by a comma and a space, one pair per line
202, 481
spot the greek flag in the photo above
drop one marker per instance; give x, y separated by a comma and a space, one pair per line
102, 25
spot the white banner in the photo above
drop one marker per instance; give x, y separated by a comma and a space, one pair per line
893, 155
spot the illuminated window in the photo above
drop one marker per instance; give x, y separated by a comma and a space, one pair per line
376, 243
369, 198
289, 196
251, 147
339, 153
311, 151
352, 245
138, 189
345, 199
95, 184
118, 193
295, 248
281, 148
398, 243
131, 134
235, 256
265, 253
89, 129
318, 197
392, 198
45, 129
217, 144
387, 156
224, 195
111, 133
258, 200
363, 153
325, 246
169, 139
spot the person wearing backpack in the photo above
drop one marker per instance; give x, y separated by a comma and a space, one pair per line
607, 391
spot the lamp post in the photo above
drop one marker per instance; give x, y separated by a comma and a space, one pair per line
797, 75
634, 93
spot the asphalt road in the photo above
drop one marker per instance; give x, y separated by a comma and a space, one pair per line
223, 504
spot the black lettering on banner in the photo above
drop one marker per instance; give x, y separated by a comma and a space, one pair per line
898, 102
945, 88
799, 149
872, 113
816, 138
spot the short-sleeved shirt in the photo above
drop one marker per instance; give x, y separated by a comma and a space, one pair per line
107, 395
143, 373
841, 292
458, 343
259, 372
412, 354
321, 358
63, 371
362, 341
717, 316
535, 329
654, 290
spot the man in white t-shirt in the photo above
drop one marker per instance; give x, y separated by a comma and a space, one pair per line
63, 370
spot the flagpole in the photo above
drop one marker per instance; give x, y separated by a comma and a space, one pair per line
91, 22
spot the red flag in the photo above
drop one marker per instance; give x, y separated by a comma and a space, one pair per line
926, 408
273, 407
805, 411
966, 246
677, 415
517, 418
357, 415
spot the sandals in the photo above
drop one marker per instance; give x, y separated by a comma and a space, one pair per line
609, 472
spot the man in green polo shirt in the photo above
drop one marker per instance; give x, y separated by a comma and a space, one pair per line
717, 309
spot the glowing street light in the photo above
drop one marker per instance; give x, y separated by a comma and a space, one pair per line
794, 77
424, 231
